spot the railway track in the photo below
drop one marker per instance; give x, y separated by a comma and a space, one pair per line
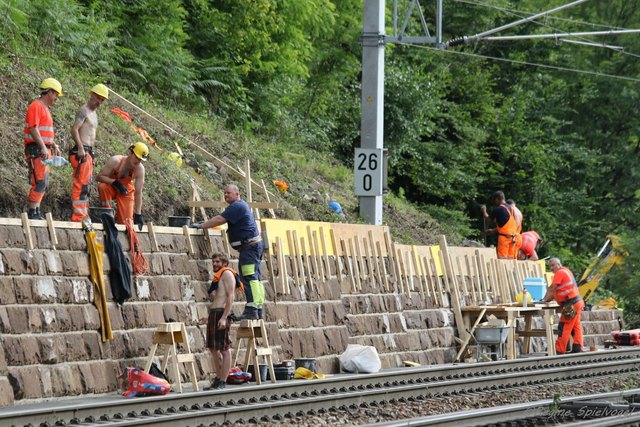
293, 399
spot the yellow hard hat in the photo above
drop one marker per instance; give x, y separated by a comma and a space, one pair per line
141, 150
175, 158
51, 83
101, 90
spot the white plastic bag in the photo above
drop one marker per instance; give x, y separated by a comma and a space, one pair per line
360, 358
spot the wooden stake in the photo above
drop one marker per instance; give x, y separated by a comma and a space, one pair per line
268, 253
293, 256
187, 236
26, 228
52, 230
455, 295
391, 254
404, 283
347, 263
225, 243
377, 259
359, 261
272, 213
247, 185
382, 267
152, 237
323, 245
354, 265
299, 260
369, 261
313, 253
334, 243
307, 265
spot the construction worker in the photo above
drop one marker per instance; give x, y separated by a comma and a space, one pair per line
508, 239
218, 323
517, 214
121, 181
39, 142
245, 238
565, 291
531, 241
81, 157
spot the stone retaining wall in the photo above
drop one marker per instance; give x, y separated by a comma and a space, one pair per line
51, 344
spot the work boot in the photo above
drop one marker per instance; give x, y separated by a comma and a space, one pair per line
576, 348
219, 384
249, 313
260, 313
34, 213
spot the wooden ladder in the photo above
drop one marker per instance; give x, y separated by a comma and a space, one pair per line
250, 330
168, 335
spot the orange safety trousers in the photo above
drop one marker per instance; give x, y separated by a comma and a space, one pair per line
39, 177
508, 246
82, 177
111, 198
570, 327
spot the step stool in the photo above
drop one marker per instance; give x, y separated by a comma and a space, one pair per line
168, 335
250, 330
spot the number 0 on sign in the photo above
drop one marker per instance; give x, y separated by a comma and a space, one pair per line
368, 166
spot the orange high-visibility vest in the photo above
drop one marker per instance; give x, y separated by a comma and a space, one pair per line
566, 287
39, 117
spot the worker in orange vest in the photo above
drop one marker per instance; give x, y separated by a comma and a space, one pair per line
81, 157
564, 290
509, 240
531, 241
121, 181
39, 142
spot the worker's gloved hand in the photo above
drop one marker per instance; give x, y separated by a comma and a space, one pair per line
137, 219
196, 225
120, 187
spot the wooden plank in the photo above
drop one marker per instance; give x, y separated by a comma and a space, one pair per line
347, 263
354, 265
439, 283
299, 260
359, 261
152, 237
225, 243
52, 230
325, 254
402, 273
335, 244
187, 236
455, 297
465, 343
272, 213
307, 266
473, 280
482, 273
382, 267
284, 275
376, 259
26, 228
313, 253
369, 262
393, 265
219, 204
219, 163
293, 257
269, 255
321, 274
464, 284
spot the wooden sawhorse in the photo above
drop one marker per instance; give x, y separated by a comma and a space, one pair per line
168, 335
250, 330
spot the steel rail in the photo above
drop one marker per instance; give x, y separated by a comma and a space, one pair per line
531, 413
274, 399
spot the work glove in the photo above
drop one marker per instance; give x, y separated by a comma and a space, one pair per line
196, 225
120, 187
137, 219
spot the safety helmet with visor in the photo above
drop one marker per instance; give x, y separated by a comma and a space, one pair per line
141, 150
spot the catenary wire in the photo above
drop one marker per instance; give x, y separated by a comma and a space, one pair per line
521, 14
534, 64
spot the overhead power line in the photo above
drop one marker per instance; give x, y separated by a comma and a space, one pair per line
533, 64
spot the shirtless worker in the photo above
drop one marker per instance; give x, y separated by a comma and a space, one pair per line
81, 156
121, 182
223, 286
